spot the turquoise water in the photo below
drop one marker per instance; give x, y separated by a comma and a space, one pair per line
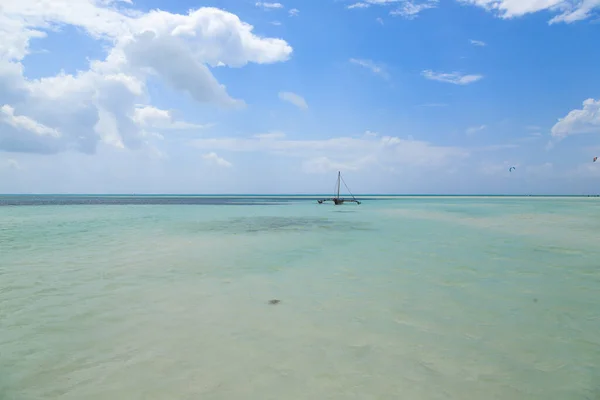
411, 298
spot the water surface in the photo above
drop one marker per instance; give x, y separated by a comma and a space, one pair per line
416, 298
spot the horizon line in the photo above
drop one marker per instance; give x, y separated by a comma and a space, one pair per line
302, 194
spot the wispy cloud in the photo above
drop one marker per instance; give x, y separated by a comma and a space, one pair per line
379, 20
408, 9
276, 23
478, 43
411, 9
474, 129
372, 66
570, 11
294, 98
454, 77
294, 12
269, 6
357, 5
366, 150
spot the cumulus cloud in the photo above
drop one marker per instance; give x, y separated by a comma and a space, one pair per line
294, 99
585, 120
152, 117
78, 111
454, 77
568, 10
213, 159
23, 123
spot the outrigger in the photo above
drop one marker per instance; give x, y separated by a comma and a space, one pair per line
337, 200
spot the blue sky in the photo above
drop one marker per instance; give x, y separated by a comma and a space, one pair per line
224, 96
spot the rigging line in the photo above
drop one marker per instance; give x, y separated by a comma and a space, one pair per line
348, 188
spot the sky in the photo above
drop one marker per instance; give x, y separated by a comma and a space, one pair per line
239, 96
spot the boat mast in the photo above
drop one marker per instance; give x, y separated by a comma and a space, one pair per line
338, 185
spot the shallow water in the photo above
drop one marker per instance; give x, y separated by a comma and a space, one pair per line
416, 298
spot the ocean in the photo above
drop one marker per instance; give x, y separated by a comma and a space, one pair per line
170, 297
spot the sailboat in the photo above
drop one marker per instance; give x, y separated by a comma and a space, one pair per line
336, 199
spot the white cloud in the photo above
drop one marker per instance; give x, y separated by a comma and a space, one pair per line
99, 104
572, 13
474, 129
276, 23
568, 10
269, 6
410, 9
375, 68
294, 12
357, 5
213, 159
23, 123
478, 43
379, 20
585, 120
453, 77
293, 98
357, 152
152, 117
